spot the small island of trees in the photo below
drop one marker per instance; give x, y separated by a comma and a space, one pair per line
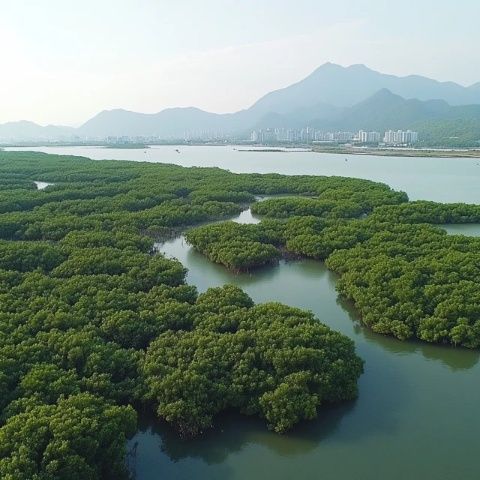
406, 277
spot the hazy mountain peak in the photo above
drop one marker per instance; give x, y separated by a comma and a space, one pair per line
322, 95
346, 86
27, 130
23, 123
384, 93
329, 66
359, 67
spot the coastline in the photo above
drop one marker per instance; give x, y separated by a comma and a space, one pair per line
382, 152
400, 152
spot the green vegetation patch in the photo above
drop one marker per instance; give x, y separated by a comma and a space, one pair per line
237, 247
269, 360
405, 276
95, 326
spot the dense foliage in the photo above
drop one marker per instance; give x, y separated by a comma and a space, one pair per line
429, 212
414, 280
460, 131
238, 247
271, 360
334, 203
94, 325
244, 247
406, 277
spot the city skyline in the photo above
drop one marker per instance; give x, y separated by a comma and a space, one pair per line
312, 135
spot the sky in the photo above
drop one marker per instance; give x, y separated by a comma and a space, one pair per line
63, 61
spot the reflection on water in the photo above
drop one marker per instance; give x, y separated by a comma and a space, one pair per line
233, 432
454, 358
416, 415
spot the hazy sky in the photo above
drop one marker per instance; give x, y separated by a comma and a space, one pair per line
65, 60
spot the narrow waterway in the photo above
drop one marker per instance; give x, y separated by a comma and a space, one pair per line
469, 229
416, 416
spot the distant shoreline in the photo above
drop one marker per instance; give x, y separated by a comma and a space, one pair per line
412, 152
275, 150
128, 146
382, 152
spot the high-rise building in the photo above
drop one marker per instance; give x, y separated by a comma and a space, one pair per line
268, 135
400, 137
389, 137
367, 137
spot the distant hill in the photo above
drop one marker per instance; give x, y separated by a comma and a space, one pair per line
345, 86
383, 110
321, 95
332, 96
299, 117
435, 120
169, 123
475, 87
24, 130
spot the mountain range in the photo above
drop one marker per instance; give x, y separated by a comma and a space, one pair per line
332, 97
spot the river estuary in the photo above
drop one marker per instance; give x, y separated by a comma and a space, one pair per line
416, 416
